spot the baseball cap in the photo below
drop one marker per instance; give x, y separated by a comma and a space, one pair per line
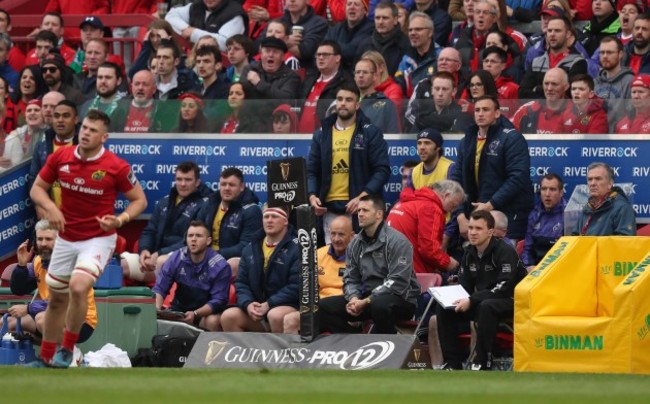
93, 21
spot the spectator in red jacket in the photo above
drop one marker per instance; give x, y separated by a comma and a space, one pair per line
545, 116
587, 114
52, 22
420, 216
638, 120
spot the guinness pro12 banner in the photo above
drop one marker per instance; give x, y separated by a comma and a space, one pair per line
279, 351
287, 183
307, 240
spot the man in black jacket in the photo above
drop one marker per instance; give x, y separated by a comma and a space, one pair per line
270, 79
490, 270
319, 88
387, 37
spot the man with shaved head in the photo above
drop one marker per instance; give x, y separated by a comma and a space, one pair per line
139, 114
545, 116
50, 100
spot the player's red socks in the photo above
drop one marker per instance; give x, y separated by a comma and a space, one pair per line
47, 350
69, 339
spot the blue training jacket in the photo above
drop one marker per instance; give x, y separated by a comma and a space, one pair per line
239, 226
369, 165
278, 285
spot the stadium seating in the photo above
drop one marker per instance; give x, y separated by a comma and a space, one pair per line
585, 308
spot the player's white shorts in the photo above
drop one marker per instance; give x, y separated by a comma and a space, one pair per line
88, 257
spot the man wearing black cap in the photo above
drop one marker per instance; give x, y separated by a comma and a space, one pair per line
220, 19
91, 28
433, 167
57, 77
270, 78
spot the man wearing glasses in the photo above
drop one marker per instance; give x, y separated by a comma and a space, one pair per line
319, 88
420, 57
58, 77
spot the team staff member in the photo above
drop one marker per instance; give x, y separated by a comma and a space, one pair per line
493, 167
91, 178
202, 277
490, 270
379, 282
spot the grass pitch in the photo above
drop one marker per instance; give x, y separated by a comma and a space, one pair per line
185, 386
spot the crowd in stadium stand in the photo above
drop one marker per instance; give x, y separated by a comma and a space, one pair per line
348, 72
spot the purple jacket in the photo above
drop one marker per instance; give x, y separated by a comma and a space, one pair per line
544, 229
207, 282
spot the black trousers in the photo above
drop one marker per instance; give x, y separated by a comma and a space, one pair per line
385, 311
487, 315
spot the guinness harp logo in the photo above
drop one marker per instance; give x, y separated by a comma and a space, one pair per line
215, 348
284, 167
417, 353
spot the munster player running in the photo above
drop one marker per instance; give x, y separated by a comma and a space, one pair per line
90, 178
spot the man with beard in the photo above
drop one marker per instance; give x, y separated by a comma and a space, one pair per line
30, 276
560, 54
109, 78
348, 159
202, 278
96, 54
142, 113
58, 77
614, 82
387, 37
637, 52
232, 215
433, 166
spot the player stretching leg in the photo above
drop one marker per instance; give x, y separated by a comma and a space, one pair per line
90, 178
